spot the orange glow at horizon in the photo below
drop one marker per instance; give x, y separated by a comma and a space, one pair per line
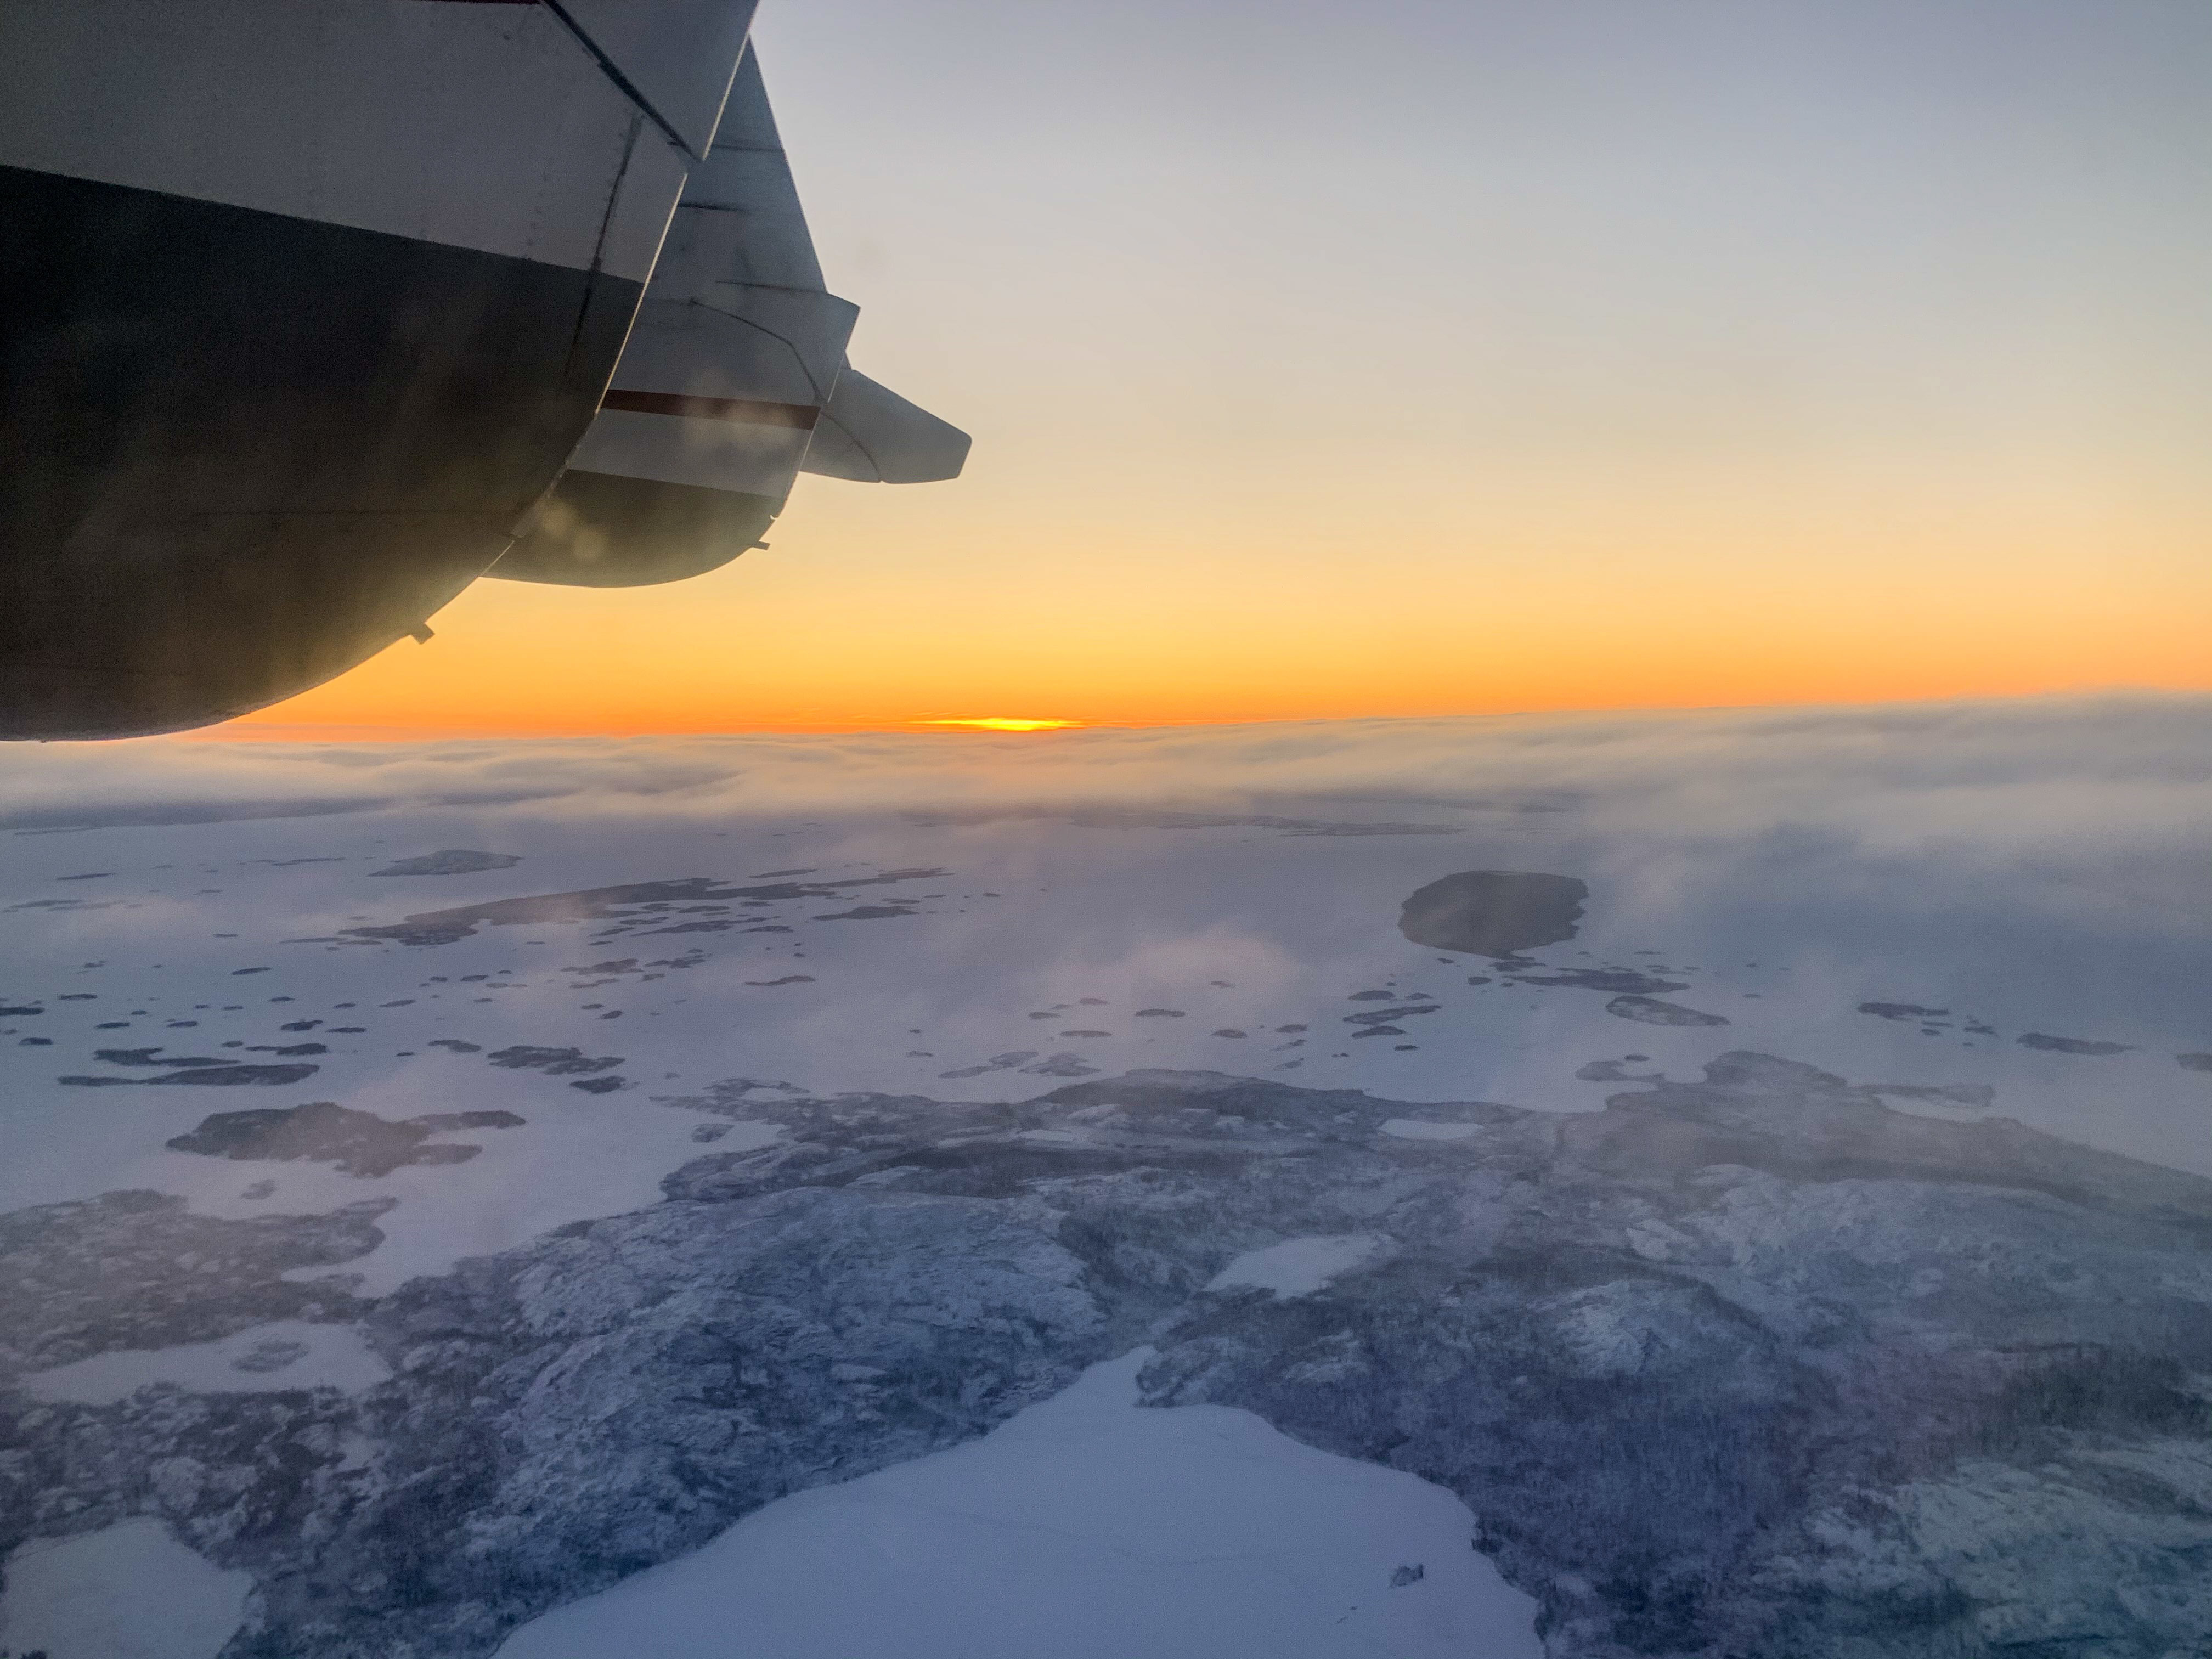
880, 607
1002, 723
1728, 366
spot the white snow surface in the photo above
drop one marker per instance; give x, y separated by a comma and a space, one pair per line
1297, 1266
1031, 959
285, 1354
1416, 1129
1086, 1527
1847, 886
128, 1591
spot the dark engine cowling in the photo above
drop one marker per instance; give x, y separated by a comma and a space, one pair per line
271, 404
734, 381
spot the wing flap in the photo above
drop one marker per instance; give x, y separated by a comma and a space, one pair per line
869, 433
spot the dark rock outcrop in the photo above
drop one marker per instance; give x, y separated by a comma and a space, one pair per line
1754, 1364
138, 1270
1494, 913
324, 1132
1651, 1011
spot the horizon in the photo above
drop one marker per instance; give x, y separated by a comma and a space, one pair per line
251, 729
1448, 361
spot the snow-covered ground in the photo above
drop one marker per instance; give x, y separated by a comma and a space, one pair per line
1086, 1528
2003, 910
1297, 1266
1417, 1128
128, 1591
2033, 872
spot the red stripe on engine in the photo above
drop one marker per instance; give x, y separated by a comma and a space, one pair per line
799, 415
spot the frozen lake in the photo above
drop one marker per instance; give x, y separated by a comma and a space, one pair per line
503, 1195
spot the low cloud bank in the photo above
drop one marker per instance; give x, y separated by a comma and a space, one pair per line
2040, 763
2099, 807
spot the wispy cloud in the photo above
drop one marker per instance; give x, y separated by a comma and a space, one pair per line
2133, 769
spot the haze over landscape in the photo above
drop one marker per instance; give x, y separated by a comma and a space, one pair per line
1138, 1191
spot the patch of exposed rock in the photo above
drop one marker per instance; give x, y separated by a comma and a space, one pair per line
637, 900
1651, 1011
1754, 1365
451, 862
324, 1132
138, 1270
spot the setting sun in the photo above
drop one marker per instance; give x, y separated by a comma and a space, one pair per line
1004, 723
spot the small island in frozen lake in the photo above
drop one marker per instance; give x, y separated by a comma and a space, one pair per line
1494, 913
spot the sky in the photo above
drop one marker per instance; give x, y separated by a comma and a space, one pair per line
1432, 359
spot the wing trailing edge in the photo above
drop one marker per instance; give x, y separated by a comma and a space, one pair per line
870, 435
734, 381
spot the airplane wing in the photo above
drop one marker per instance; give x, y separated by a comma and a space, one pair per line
674, 57
869, 433
307, 304
733, 382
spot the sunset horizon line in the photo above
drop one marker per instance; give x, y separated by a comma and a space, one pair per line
250, 729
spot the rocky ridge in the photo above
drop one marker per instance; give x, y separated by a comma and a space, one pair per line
1749, 1365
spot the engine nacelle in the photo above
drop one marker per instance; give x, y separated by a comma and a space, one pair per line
698, 441
733, 382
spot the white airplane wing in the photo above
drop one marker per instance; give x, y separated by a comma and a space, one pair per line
734, 381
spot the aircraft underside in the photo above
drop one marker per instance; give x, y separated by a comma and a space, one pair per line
313, 311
